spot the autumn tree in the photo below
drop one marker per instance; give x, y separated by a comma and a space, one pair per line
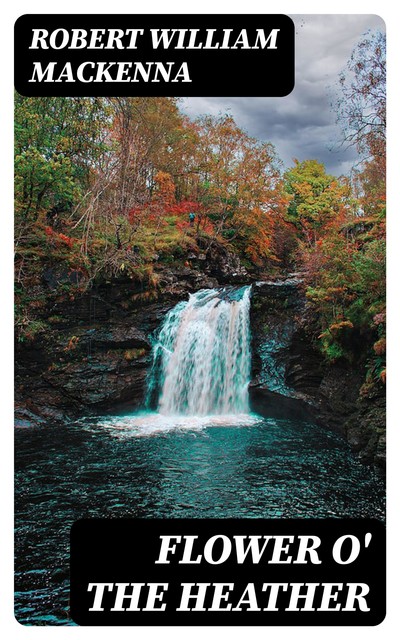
142, 134
237, 180
318, 199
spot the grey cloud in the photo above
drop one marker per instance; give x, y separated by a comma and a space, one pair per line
302, 125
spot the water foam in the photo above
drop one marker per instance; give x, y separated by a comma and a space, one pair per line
148, 424
201, 359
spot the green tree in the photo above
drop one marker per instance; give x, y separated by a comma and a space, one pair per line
57, 142
317, 199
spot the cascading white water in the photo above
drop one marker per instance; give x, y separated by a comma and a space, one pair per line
201, 360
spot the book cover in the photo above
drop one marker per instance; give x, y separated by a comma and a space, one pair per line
200, 319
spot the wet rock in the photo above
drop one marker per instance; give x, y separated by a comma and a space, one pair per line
118, 337
289, 289
275, 314
270, 404
25, 418
104, 380
225, 266
178, 282
53, 277
365, 430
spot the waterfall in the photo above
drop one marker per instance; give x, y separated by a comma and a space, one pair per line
201, 358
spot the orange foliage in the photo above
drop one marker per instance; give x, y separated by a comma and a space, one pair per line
59, 238
380, 347
164, 193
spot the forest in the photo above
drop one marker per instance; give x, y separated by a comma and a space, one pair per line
106, 187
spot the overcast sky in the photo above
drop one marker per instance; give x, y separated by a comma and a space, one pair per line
302, 125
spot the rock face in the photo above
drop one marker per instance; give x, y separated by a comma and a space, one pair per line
224, 266
286, 362
276, 310
96, 353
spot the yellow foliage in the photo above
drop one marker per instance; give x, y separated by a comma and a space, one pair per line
133, 354
339, 326
72, 344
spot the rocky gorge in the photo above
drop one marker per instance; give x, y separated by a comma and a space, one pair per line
95, 352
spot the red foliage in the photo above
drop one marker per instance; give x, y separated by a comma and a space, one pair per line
59, 238
66, 240
182, 225
134, 214
184, 207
